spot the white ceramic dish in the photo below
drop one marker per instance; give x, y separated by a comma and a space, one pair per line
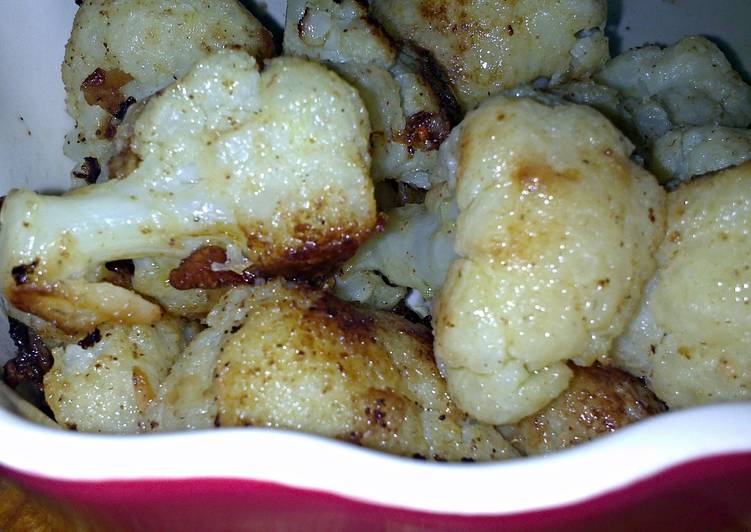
32, 125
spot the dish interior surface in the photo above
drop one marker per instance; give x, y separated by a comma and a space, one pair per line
34, 123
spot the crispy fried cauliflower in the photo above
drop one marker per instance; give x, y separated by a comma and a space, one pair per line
683, 105
123, 51
599, 400
556, 233
105, 382
272, 164
279, 355
486, 47
692, 336
407, 113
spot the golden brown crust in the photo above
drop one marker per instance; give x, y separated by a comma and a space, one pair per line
599, 400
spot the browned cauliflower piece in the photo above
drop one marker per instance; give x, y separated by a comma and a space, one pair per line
123, 51
599, 400
485, 47
279, 355
555, 238
270, 168
106, 382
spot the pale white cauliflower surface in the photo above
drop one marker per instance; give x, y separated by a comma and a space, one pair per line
689, 83
486, 47
406, 117
107, 386
556, 233
273, 163
686, 152
414, 250
337, 32
280, 355
152, 42
684, 106
692, 337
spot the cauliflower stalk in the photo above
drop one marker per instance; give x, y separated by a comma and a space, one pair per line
273, 163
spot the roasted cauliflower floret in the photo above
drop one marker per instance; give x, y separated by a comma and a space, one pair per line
122, 51
272, 164
556, 233
105, 382
486, 47
683, 105
336, 31
279, 355
409, 112
692, 337
599, 400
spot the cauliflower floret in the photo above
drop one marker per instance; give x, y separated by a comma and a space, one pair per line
336, 31
274, 164
406, 108
485, 47
279, 355
692, 337
683, 106
122, 51
414, 250
105, 382
555, 237
688, 84
686, 152
599, 400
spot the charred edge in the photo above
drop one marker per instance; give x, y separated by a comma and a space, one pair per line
195, 271
438, 80
120, 273
309, 261
124, 106
22, 272
402, 310
102, 88
32, 361
424, 131
91, 339
90, 170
